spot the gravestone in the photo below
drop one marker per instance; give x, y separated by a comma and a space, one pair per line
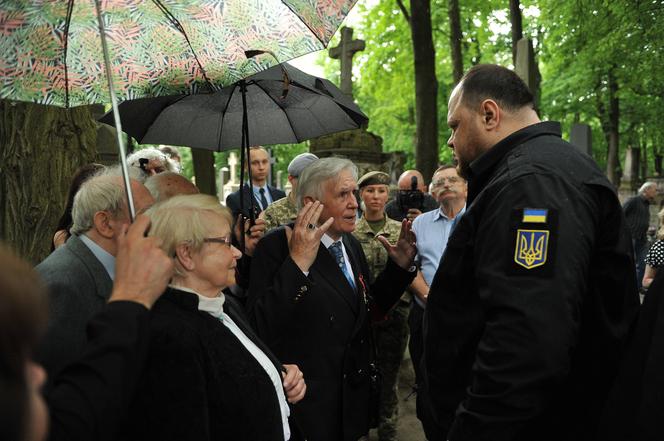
362, 147
581, 136
630, 176
526, 68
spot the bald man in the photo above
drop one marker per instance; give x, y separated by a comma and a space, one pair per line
412, 198
165, 185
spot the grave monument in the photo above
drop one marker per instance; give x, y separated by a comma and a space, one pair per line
362, 147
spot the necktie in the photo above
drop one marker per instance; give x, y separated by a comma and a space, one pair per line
263, 198
337, 253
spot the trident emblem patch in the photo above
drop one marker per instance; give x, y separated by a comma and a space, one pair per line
531, 248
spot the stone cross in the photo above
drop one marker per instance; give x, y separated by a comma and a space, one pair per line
344, 53
232, 162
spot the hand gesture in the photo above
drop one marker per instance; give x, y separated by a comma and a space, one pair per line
252, 233
142, 269
304, 239
403, 253
294, 384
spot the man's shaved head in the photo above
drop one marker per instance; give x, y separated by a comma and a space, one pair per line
405, 180
168, 184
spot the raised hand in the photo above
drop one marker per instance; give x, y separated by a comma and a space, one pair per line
294, 384
252, 234
142, 269
404, 251
304, 239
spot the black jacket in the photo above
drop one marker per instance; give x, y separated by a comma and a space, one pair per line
233, 200
89, 399
200, 383
533, 299
322, 325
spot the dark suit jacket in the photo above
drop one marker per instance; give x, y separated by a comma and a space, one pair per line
89, 399
78, 288
322, 325
200, 382
233, 200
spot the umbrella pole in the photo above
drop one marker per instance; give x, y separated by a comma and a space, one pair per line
116, 113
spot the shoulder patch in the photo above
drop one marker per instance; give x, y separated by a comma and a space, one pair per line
531, 248
535, 215
534, 232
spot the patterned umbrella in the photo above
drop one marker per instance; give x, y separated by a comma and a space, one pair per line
69, 53
50, 50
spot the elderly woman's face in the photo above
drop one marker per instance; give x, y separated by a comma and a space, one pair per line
215, 262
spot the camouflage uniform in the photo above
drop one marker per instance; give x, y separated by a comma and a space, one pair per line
391, 335
278, 213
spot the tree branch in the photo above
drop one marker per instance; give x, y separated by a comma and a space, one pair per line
404, 11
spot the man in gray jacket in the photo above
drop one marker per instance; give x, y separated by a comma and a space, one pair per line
79, 275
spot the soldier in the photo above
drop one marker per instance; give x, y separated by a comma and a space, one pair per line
391, 335
284, 211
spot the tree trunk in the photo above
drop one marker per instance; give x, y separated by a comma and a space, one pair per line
455, 39
612, 162
517, 27
40, 149
426, 88
204, 171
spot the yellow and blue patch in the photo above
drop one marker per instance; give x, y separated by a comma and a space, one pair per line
531, 248
534, 233
535, 215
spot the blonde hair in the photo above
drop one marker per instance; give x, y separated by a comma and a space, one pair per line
660, 231
184, 218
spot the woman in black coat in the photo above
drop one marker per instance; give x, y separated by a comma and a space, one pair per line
207, 376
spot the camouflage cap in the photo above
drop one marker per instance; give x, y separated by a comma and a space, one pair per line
374, 178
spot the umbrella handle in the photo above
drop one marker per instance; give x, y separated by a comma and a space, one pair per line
116, 114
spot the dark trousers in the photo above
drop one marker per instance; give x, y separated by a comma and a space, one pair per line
640, 252
416, 344
416, 348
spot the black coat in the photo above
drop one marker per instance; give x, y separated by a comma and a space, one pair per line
200, 383
89, 399
635, 406
321, 324
531, 305
233, 200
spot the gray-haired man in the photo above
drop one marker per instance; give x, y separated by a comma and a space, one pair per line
311, 297
79, 275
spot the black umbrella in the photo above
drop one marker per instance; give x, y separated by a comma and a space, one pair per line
283, 105
277, 106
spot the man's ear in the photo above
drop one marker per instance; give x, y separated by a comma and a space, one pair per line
308, 199
102, 223
184, 257
491, 114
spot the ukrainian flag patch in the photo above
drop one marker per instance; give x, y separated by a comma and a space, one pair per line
531, 247
535, 215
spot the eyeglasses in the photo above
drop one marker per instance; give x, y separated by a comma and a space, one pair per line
451, 180
226, 240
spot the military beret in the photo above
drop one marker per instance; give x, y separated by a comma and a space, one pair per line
300, 162
374, 178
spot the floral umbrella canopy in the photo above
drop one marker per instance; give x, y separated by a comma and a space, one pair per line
50, 50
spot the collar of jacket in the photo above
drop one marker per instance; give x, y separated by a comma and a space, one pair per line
483, 167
